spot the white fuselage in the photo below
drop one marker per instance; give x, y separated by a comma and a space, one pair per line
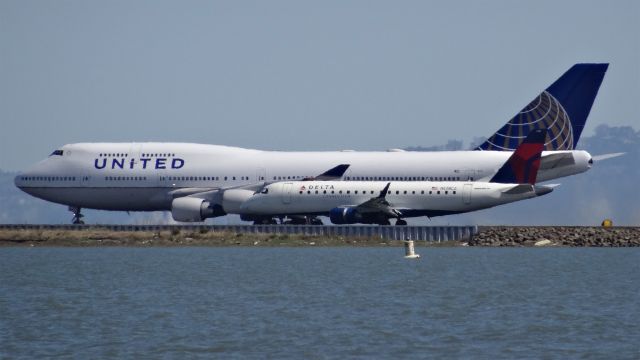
148, 176
415, 198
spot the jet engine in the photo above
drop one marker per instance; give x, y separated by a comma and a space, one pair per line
345, 215
191, 209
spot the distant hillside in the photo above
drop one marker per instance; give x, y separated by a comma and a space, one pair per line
608, 190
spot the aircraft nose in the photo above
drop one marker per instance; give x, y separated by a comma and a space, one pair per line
252, 205
246, 207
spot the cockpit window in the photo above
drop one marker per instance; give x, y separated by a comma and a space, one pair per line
57, 152
264, 191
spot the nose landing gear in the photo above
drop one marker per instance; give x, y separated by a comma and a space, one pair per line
77, 216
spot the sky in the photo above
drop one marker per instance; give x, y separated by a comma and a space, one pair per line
298, 75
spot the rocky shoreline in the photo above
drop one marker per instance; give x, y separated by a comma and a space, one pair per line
566, 236
495, 236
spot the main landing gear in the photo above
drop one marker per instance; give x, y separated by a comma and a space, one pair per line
294, 220
401, 222
302, 220
77, 216
265, 221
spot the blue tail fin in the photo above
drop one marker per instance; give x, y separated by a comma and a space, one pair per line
522, 167
562, 109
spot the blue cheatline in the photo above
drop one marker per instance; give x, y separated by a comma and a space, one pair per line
562, 108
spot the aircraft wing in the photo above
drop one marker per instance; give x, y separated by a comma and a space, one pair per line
334, 173
211, 194
378, 204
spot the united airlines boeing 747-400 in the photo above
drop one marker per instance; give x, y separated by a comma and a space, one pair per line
196, 181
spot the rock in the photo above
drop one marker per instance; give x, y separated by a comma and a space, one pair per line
543, 242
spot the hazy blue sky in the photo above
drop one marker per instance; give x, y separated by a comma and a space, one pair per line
297, 75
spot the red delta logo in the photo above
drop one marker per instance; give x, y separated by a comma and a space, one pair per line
303, 188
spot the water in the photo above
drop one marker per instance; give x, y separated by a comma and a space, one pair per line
319, 303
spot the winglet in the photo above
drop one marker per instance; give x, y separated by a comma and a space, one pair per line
522, 167
383, 193
331, 174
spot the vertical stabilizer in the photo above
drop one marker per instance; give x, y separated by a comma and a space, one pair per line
562, 108
522, 167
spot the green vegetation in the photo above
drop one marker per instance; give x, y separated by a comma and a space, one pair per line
175, 237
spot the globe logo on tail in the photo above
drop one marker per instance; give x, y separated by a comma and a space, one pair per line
544, 112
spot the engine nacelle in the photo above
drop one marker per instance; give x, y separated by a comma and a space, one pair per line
191, 209
345, 215
232, 199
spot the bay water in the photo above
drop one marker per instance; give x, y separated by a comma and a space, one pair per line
319, 303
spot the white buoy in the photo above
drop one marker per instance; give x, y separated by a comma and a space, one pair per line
410, 250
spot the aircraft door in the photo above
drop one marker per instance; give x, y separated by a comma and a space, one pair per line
286, 193
466, 193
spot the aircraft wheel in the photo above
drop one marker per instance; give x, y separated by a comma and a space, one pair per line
77, 215
271, 221
401, 222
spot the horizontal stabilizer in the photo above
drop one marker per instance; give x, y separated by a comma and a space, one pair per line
553, 161
544, 189
519, 189
607, 156
526, 188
